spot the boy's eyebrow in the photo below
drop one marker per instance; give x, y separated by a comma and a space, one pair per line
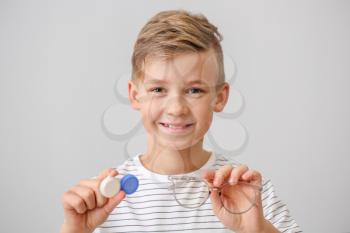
197, 81
150, 81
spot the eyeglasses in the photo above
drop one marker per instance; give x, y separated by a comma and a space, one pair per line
192, 192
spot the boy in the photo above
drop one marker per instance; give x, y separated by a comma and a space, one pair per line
177, 83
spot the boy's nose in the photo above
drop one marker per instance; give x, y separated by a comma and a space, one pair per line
176, 106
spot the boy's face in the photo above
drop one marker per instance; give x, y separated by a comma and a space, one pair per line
177, 98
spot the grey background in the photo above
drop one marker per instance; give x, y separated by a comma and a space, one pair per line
59, 61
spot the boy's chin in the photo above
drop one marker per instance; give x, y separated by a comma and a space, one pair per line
177, 144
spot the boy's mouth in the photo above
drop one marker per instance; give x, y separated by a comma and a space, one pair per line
175, 126
178, 129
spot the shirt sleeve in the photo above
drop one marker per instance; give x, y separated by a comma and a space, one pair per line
276, 211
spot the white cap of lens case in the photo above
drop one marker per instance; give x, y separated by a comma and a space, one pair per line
110, 186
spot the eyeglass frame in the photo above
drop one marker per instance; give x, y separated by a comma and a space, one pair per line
210, 189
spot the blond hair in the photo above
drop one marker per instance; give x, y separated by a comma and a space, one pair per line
169, 33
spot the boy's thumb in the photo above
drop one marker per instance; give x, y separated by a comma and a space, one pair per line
113, 202
215, 200
107, 172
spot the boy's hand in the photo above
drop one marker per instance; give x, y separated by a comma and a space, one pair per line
84, 206
251, 221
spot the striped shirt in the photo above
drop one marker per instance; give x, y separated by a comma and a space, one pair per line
153, 208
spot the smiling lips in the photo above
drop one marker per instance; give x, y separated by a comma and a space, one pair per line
176, 128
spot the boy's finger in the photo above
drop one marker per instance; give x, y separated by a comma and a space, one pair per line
113, 202
72, 201
253, 177
237, 173
87, 194
107, 172
208, 175
94, 185
222, 174
216, 202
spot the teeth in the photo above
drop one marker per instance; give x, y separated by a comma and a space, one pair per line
175, 127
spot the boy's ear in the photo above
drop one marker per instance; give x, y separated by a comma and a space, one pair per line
221, 97
133, 95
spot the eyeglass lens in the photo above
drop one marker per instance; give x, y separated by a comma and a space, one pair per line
238, 198
191, 194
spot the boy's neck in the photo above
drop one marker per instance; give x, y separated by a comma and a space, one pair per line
170, 162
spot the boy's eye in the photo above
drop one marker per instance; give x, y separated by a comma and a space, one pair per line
195, 90
156, 90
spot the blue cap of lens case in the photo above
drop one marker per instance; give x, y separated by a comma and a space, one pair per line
129, 184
